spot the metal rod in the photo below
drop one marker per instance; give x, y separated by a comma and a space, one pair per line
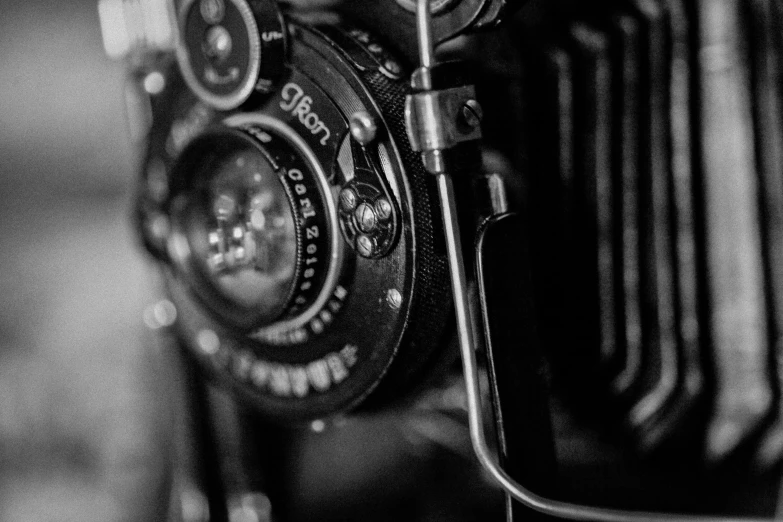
466, 333
424, 30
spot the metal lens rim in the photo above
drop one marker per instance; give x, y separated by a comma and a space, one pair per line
337, 246
190, 265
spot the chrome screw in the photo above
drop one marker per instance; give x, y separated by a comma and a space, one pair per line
392, 66
383, 208
365, 246
363, 127
348, 199
472, 113
394, 298
366, 218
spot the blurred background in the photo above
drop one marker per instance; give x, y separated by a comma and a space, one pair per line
81, 437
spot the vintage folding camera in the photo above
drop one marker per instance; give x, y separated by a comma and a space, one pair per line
559, 221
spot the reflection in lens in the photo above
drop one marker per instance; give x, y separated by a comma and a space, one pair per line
245, 234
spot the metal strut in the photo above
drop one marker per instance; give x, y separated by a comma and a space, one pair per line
419, 128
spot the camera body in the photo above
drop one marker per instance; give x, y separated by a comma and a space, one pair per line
292, 200
366, 282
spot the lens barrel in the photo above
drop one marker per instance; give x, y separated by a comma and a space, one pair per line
253, 218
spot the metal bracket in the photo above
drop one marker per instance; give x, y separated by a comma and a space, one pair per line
438, 120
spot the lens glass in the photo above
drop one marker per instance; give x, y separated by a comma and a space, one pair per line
244, 234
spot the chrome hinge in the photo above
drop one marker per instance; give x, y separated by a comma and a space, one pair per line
442, 119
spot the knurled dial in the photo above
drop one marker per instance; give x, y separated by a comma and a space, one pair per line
231, 50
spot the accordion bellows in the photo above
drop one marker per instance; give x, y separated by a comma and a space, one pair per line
656, 197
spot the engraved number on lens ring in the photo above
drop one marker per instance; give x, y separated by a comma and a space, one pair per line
278, 329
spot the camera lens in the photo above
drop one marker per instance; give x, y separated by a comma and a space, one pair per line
252, 221
244, 233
